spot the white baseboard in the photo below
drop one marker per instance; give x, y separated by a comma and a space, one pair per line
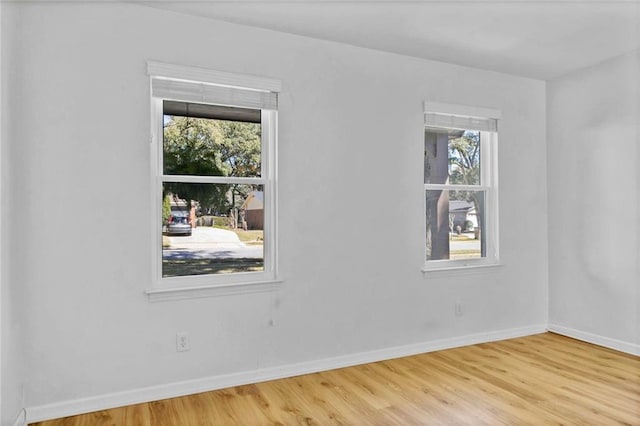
607, 342
172, 390
21, 419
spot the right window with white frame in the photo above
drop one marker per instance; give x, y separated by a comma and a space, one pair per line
460, 186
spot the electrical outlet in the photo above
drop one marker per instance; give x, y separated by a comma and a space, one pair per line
182, 342
458, 308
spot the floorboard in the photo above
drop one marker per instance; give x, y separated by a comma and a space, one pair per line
543, 379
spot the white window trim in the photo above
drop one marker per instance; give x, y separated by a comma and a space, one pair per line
489, 184
175, 288
461, 110
218, 78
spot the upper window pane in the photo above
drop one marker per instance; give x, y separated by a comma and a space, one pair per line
211, 140
451, 157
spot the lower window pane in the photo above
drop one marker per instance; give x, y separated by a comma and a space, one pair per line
212, 229
455, 224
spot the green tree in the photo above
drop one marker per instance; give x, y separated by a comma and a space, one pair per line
166, 208
240, 152
189, 149
464, 159
240, 148
206, 147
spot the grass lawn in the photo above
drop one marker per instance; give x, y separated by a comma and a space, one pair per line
247, 237
461, 237
250, 237
464, 254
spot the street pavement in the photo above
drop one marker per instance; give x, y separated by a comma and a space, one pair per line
465, 245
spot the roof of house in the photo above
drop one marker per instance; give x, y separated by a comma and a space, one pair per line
460, 206
254, 201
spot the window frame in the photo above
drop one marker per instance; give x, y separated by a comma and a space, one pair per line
181, 287
488, 182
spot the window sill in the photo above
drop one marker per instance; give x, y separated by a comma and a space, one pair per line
194, 292
460, 268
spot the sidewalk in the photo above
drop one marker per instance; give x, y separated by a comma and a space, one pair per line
206, 236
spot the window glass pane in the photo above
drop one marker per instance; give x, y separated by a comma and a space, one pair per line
211, 147
212, 229
451, 156
455, 222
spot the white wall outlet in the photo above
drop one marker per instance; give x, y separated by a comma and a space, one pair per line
458, 308
182, 342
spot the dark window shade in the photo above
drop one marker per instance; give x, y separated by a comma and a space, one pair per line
217, 112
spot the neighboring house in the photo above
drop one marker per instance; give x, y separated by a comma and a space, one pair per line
178, 203
253, 207
461, 211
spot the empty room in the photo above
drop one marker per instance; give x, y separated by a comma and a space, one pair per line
319, 212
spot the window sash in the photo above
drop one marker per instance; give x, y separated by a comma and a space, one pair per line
214, 179
268, 178
490, 236
454, 187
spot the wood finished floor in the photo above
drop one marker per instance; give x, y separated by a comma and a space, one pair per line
536, 380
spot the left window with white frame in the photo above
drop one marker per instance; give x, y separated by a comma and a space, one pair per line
214, 178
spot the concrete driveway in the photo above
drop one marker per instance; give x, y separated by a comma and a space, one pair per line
206, 243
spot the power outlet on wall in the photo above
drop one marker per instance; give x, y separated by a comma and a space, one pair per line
182, 342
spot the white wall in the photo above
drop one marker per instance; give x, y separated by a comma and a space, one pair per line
350, 129
12, 304
594, 226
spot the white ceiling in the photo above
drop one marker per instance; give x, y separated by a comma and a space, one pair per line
540, 39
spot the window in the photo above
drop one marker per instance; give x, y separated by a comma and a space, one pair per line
460, 184
214, 186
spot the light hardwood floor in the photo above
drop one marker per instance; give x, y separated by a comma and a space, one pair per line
535, 380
